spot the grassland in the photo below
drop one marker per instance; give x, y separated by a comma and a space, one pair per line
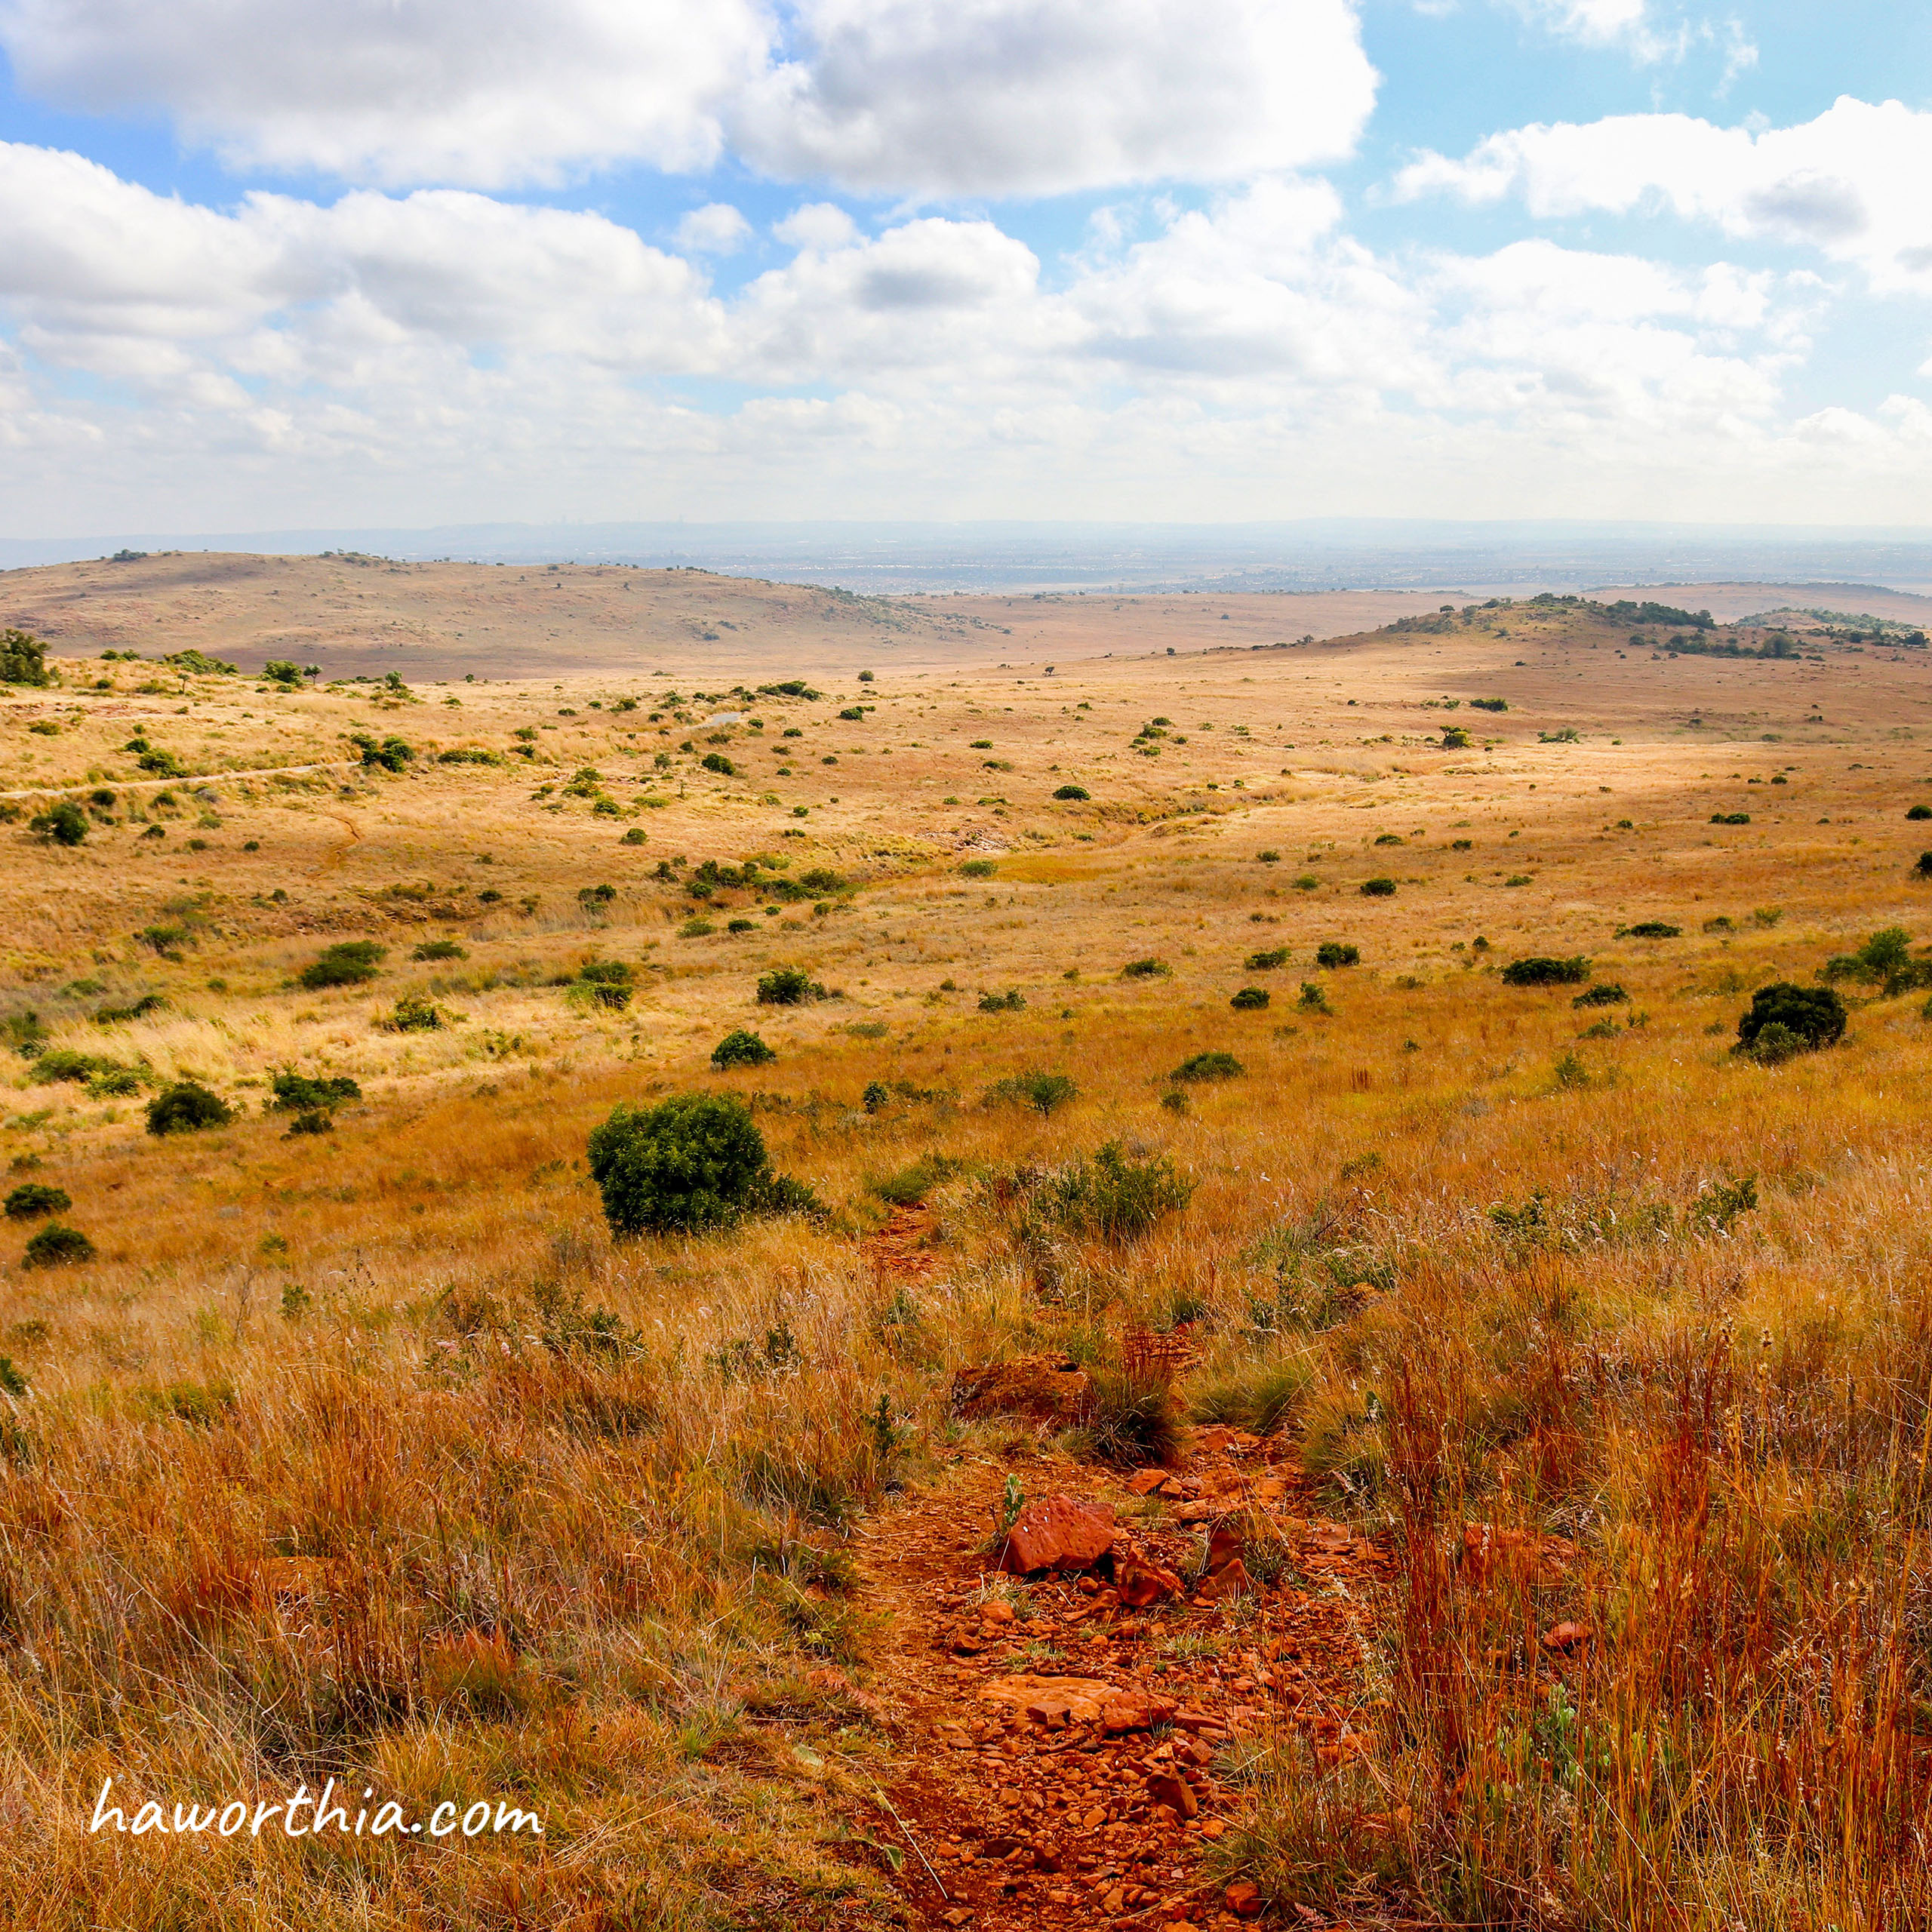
367, 1453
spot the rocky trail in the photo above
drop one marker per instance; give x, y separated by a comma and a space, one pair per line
1073, 1664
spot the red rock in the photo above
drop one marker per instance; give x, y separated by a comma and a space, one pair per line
1227, 1543
1566, 1636
1231, 1581
1176, 1793
996, 1612
1144, 1482
1142, 1583
1243, 1897
1059, 1533
1130, 1710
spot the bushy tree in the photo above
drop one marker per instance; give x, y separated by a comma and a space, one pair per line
788, 986
32, 1199
1813, 1015
56, 1245
1250, 999
1540, 969
64, 824
695, 1161
1213, 1065
741, 1047
348, 963
23, 659
1332, 952
186, 1107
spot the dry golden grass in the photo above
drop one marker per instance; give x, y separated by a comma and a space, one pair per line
323, 1467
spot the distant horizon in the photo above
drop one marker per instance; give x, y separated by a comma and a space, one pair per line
988, 555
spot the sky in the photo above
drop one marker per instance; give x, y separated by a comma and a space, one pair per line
415, 262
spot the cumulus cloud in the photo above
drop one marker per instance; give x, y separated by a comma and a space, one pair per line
1849, 184
483, 92
1042, 96
716, 228
928, 97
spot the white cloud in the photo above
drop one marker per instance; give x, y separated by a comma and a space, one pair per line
1043, 96
929, 98
1851, 184
442, 354
716, 228
485, 92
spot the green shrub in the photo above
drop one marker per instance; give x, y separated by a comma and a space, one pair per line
1146, 969
1489, 704
112, 1016
741, 1047
468, 755
313, 1121
1042, 1092
717, 762
413, 1013
1730, 818
280, 670
608, 981
874, 1099
788, 986
1377, 888
348, 963
1651, 929
1213, 1064
1267, 962
1540, 969
32, 1199
1250, 999
389, 754
1307, 882
113, 1083
64, 1063
978, 869
23, 659
1072, 792
64, 824
694, 1162
912, 1185
1313, 997
1923, 867
186, 1107
299, 1091
1260, 1396
439, 949
1603, 995
1132, 1421
1332, 952
1886, 956
1920, 811
1815, 1016
1006, 1002
1115, 1197
162, 763
637, 835
57, 1245
1454, 738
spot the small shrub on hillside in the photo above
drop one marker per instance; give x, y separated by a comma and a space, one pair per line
64, 1063
1250, 999
390, 754
741, 1047
1266, 961
717, 762
1176, 1101
637, 835
61, 825
1813, 1015
1333, 953
1651, 929
788, 986
57, 1245
608, 982
1377, 888
113, 1083
912, 1185
1920, 811
978, 869
1072, 793
1007, 1002
875, 1098
1132, 1421
1114, 1196
1313, 997
349, 963
1042, 1092
32, 1199
1923, 867
1213, 1064
1146, 969
1307, 882
697, 1162
439, 949
1489, 704
186, 1107
1730, 818
1455, 739
1606, 994
301, 1093
1540, 969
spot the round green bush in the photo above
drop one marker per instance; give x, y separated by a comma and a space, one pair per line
1378, 888
1072, 792
1814, 1015
33, 1197
1331, 953
695, 1162
186, 1107
57, 1246
1920, 811
741, 1047
1540, 970
1250, 999
64, 824
1211, 1065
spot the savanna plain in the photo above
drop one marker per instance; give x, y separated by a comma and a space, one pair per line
571, 1228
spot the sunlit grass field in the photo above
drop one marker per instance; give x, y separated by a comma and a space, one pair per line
366, 1453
